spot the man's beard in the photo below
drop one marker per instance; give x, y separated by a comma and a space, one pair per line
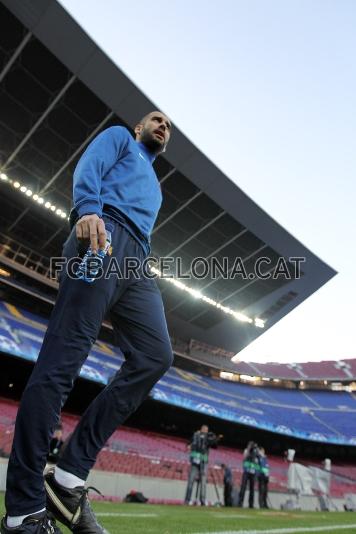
151, 142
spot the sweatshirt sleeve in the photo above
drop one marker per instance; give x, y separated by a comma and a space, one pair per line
97, 160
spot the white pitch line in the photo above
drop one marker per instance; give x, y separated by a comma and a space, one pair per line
123, 514
324, 528
230, 516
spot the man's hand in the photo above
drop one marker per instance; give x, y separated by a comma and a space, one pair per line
92, 228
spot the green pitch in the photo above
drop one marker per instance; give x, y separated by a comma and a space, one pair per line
153, 519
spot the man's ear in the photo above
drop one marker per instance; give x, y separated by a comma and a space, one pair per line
138, 129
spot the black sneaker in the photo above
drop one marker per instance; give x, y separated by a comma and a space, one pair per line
71, 507
42, 523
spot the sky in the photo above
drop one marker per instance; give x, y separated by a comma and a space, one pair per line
267, 90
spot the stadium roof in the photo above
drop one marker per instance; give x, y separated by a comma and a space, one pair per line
58, 90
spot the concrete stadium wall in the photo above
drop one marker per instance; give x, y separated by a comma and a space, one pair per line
119, 484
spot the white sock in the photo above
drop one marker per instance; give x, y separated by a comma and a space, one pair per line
17, 520
66, 479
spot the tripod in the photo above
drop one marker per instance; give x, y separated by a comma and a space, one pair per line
199, 485
199, 481
218, 502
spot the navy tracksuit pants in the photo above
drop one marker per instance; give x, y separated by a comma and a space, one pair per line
138, 318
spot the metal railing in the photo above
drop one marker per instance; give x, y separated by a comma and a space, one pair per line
24, 256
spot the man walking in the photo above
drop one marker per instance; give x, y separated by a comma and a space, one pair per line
115, 189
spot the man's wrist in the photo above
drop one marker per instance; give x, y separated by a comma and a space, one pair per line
89, 207
89, 213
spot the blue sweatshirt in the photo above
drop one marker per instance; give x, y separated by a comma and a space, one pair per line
115, 176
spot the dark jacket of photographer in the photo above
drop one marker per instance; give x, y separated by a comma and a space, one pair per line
251, 460
200, 445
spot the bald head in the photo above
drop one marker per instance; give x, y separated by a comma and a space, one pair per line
152, 114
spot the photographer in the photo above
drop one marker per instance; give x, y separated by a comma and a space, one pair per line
199, 446
263, 478
250, 468
228, 485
